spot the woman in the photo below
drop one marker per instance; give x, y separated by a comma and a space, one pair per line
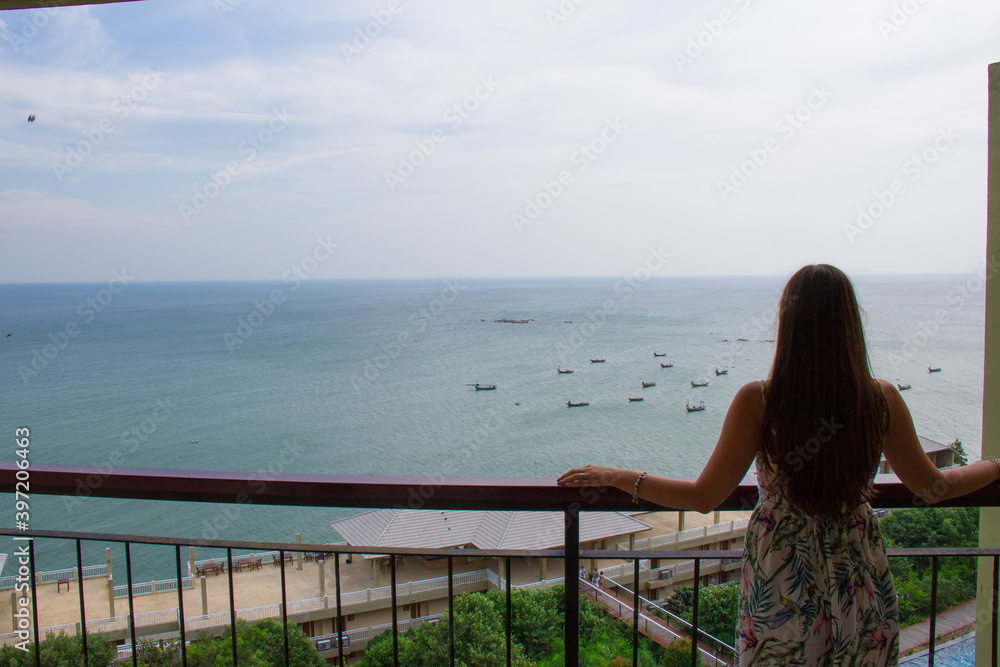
815, 585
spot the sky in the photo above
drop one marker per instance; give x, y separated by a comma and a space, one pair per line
239, 139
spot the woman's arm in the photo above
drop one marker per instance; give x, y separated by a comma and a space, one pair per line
738, 444
914, 468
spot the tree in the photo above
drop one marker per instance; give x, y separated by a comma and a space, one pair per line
62, 651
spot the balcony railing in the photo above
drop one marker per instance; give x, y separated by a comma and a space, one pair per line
420, 493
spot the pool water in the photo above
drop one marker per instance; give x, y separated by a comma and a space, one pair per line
959, 652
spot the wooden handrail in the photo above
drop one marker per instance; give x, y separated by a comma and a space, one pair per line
469, 493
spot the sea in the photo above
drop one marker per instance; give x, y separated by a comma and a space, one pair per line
375, 378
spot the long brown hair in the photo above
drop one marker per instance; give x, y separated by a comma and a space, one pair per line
825, 416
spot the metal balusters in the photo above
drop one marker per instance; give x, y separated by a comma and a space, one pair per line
180, 602
571, 546
284, 603
83, 609
694, 613
635, 613
395, 621
451, 612
131, 603
232, 603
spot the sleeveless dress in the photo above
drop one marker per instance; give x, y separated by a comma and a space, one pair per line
814, 591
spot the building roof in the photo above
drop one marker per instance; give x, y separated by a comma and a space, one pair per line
930, 446
477, 529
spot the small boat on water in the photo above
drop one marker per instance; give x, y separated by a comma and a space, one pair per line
597, 361
903, 387
698, 384
662, 365
482, 387
659, 355
933, 370
695, 408
561, 371
724, 371
648, 384
571, 404
635, 400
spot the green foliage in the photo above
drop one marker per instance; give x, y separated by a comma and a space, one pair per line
960, 457
717, 607
536, 635
259, 645
678, 654
62, 651
931, 527
682, 601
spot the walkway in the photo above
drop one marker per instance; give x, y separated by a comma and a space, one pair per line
651, 627
956, 618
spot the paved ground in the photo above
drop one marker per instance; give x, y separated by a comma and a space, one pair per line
956, 618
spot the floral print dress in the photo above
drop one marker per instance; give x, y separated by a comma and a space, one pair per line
814, 591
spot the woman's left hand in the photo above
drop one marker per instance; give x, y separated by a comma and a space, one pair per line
590, 475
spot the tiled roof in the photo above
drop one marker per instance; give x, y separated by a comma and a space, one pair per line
480, 530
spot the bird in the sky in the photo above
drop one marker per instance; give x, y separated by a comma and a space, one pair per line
31, 118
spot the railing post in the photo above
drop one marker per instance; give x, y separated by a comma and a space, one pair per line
131, 603
989, 517
635, 614
571, 574
83, 606
694, 613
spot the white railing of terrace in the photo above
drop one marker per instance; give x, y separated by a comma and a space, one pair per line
627, 613
120, 623
658, 541
52, 576
150, 587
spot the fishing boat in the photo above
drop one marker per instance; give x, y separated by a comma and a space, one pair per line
695, 408
635, 400
698, 384
482, 387
655, 354
933, 370
648, 384
597, 361
559, 370
662, 365
903, 387
571, 404
724, 371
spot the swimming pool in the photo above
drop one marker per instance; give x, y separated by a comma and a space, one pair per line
959, 652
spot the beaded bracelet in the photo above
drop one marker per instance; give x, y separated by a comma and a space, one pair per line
635, 491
